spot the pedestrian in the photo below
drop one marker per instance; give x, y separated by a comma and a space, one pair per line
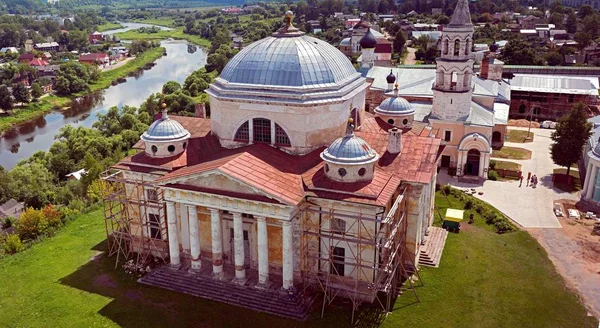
534, 181
521, 180
528, 177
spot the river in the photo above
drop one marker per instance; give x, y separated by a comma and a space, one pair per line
28, 138
132, 26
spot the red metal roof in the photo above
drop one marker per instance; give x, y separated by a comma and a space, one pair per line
288, 178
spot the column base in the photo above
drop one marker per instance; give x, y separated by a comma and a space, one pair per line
175, 266
218, 276
289, 291
239, 281
263, 286
194, 270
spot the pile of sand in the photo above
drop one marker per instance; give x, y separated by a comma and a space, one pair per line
523, 123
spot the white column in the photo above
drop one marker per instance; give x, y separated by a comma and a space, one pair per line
263, 253
238, 243
185, 229
590, 190
251, 130
194, 238
288, 256
217, 242
173, 238
272, 132
588, 179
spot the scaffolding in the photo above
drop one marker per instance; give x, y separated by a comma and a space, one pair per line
378, 264
134, 218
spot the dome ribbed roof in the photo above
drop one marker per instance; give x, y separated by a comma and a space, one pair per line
349, 149
368, 41
295, 61
164, 130
395, 106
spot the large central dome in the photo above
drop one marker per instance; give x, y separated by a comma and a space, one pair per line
289, 61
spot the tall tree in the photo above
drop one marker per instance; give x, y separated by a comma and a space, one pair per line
399, 41
21, 93
36, 90
571, 134
6, 101
583, 39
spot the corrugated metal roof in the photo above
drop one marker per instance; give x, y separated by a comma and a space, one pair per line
553, 84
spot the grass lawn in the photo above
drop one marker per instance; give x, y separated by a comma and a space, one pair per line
506, 165
512, 153
166, 21
32, 111
519, 136
108, 26
485, 280
176, 33
560, 182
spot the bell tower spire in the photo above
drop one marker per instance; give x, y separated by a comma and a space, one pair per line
454, 69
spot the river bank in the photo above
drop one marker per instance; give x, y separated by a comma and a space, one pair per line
47, 104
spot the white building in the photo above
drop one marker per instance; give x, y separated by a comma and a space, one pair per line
290, 184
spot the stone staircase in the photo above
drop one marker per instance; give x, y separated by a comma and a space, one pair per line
431, 252
269, 301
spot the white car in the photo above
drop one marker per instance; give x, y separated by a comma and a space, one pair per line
548, 125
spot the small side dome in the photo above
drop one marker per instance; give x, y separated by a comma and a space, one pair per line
391, 78
368, 41
165, 137
395, 106
349, 159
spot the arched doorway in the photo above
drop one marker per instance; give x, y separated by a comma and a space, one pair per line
472, 165
497, 136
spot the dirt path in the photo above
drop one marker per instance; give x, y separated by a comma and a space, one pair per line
410, 58
576, 256
119, 64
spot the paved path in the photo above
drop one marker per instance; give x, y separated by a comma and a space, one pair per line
410, 57
529, 207
119, 64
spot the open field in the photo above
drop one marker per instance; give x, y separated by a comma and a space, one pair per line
108, 26
484, 280
512, 153
176, 33
32, 110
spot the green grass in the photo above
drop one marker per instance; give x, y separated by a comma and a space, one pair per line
560, 182
512, 153
108, 26
165, 21
32, 110
176, 33
519, 136
148, 56
485, 280
506, 165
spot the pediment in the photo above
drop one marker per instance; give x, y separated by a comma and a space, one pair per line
220, 181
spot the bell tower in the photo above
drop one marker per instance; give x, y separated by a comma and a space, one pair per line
454, 69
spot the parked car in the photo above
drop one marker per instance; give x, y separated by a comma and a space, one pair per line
548, 125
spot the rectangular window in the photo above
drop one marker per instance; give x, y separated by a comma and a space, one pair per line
261, 130
338, 255
151, 195
338, 226
154, 223
447, 135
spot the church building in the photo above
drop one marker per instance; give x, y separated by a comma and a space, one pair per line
290, 187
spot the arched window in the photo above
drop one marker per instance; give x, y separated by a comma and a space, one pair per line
522, 109
281, 138
243, 133
440, 78
454, 80
445, 46
466, 81
456, 47
261, 128
468, 47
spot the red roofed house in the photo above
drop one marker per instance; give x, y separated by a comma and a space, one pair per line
99, 59
95, 37
290, 186
38, 62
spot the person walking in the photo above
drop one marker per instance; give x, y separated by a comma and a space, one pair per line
534, 181
528, 177
521, 180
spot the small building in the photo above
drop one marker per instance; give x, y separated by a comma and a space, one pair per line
77, 175
12, 50
99, 59
26, 58
47, 46
29, 46
386, 18
11, 208
544, 97
95, 37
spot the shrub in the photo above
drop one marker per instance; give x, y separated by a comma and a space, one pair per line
51, 215
502, 226
478, 208
468, 204
446, 189
13, 244
493, 164
492, 175
31, 224
8, 222
491, 218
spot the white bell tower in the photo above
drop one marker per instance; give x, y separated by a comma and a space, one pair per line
454, 69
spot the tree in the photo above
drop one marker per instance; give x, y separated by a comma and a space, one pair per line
21, 93
6, 101
572, 132
171, 87
36, 90
583, 39
399, 42
591, 23
520, 52
571, 24
554, 58
585, 10
443, 20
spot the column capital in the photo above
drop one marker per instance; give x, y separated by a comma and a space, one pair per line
260, 218
190, 205
212, 210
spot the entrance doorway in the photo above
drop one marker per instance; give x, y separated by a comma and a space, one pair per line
472, 166
246, 247
445, 161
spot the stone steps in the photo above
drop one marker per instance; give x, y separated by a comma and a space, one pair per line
272, 302
431, 252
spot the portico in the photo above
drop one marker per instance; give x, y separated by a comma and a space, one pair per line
474, 153
237, 235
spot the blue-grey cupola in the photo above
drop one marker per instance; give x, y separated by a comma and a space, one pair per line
368, 41
349, 158
165, 137
396, 110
